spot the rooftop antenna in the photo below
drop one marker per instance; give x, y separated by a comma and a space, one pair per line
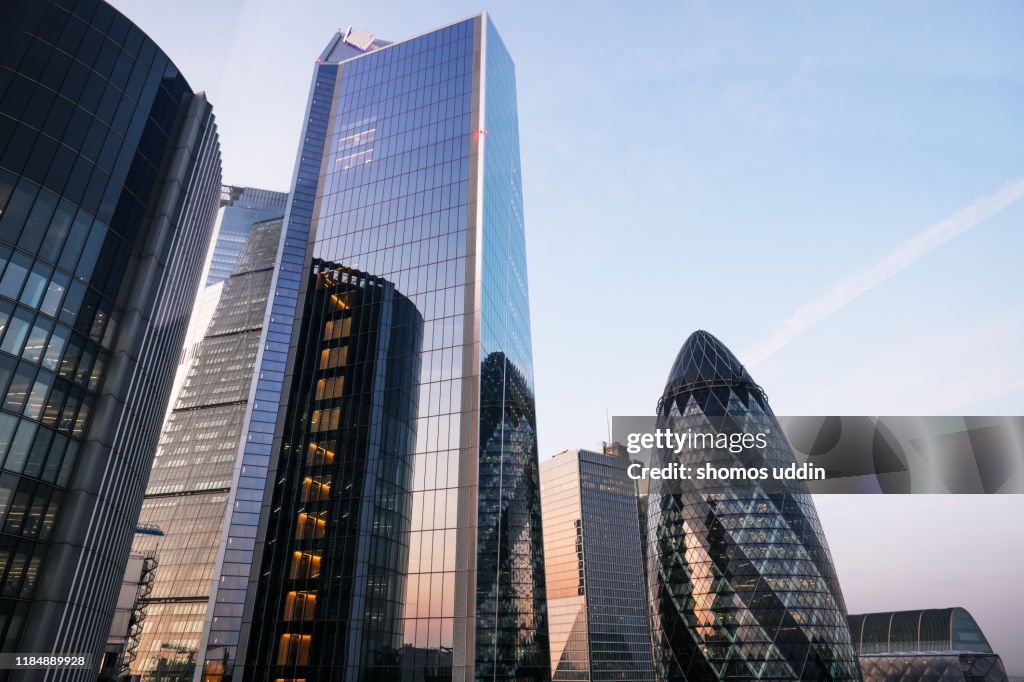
608, 418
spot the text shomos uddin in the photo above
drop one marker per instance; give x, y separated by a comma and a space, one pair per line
710, 472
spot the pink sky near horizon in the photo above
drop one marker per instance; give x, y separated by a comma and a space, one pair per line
897, 552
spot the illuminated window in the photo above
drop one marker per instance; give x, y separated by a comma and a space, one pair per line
213, 671
299, 606
329, 388
316, 488
318, 455
325, 420
293, 650
305, 565
336, 329
333, 357
310, 527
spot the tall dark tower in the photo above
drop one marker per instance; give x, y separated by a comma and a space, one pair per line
741, 579
408, 173
109, 178
333, 580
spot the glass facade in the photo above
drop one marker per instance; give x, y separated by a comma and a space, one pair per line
952, 629
742, 584
109, 173
240, 207
597, 608
219, 645
333, 578
415, 180
190, 486
948, 667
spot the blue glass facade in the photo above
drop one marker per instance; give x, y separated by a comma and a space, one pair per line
419, 186
109, 173
511, 604
218, 652
240, 208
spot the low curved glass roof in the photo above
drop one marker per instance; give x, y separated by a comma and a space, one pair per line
950, 629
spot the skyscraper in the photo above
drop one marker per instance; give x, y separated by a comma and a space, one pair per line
240, 209
336, 569
192, 484
108, 188
741, 579
409, 174
597, 605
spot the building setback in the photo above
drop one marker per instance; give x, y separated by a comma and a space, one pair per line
409, 173
740, 577
109, 179
597, 603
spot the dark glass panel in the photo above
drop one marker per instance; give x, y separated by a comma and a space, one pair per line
17, 211
38, 221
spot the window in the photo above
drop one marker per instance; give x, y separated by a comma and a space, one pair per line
293, 650
325, 420
299, 606
333, 357
36, 284
54, 294
318, 454
329, 388
24, 377
305, 565
316, 488
16, 212
310, 527
336, 329
14, 276
37, 339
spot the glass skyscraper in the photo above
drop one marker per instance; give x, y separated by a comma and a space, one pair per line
332, 587
597, 606
192, 484
240, 207
109, 179
741, 581
409, 174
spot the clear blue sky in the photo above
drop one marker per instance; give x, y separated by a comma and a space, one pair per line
721, 166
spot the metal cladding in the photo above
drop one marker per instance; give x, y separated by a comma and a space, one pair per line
741, 579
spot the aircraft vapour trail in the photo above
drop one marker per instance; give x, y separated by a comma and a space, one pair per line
894, 262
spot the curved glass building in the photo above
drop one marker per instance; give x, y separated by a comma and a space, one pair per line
924, 644
333, 578
951, 629
741, 581
109, 182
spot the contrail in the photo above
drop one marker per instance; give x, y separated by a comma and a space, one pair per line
904, 255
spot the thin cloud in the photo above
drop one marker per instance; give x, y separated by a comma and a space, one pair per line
900, 258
